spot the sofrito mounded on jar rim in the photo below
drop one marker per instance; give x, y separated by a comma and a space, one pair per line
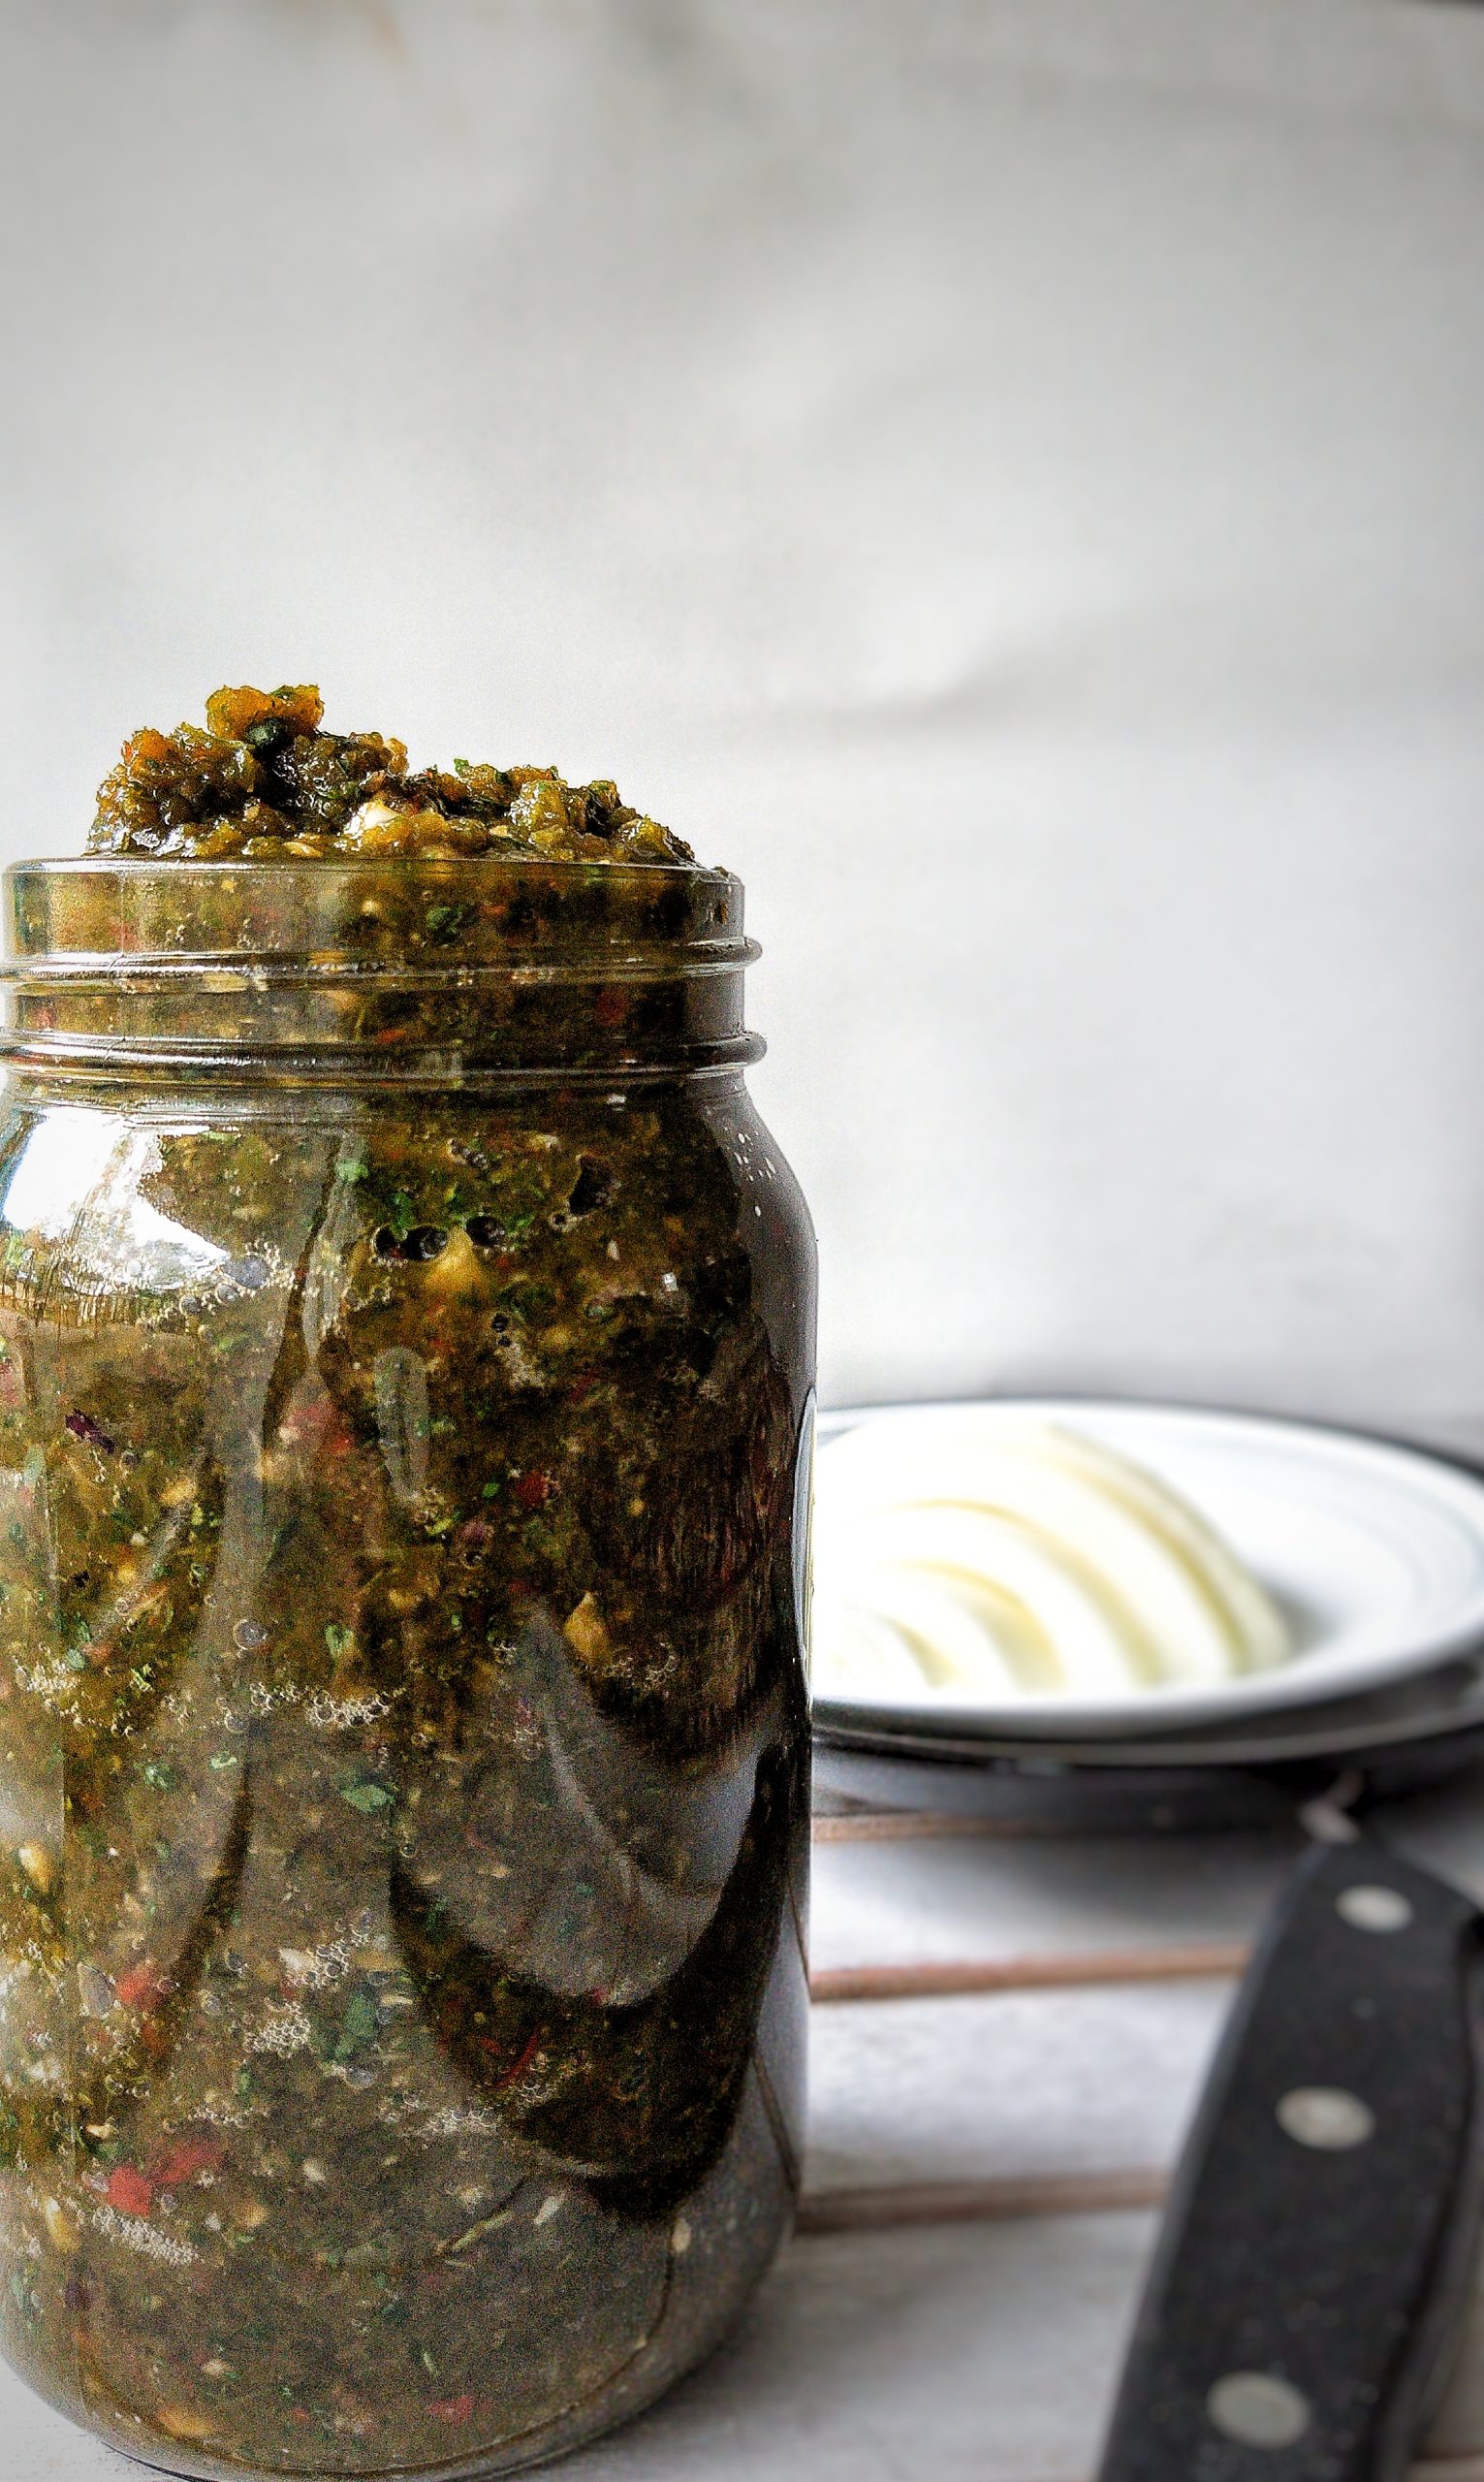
403, 1731
261, 781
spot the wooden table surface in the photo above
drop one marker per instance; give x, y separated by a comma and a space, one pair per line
1009, 2032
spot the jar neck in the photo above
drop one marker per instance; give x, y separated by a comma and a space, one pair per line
380, 973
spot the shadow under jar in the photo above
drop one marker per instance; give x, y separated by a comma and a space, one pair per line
405, 1355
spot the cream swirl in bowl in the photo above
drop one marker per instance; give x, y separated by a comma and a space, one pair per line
985, 1553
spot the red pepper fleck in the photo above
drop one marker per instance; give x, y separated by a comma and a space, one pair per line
453, 2408
192, 2154
535, 1489
129, 2191
583, 1385
83, 1426
522, 2064
144, 1987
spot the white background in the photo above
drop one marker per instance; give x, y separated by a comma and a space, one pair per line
1004, 474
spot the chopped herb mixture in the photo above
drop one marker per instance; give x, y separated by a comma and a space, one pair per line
403, 1721
261, 780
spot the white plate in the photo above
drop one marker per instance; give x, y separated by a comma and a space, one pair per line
1374, 1552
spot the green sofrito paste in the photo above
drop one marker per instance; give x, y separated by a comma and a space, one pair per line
405, 1335
265, 782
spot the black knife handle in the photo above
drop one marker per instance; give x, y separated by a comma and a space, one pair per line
1318, 2240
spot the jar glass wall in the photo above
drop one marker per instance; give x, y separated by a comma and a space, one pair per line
405, 1344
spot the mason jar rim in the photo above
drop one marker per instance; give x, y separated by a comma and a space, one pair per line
119, 963
716, 897
181, 866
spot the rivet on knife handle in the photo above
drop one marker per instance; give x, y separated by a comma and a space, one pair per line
1317, 2243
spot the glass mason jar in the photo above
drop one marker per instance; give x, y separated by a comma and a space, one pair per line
405, 1341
